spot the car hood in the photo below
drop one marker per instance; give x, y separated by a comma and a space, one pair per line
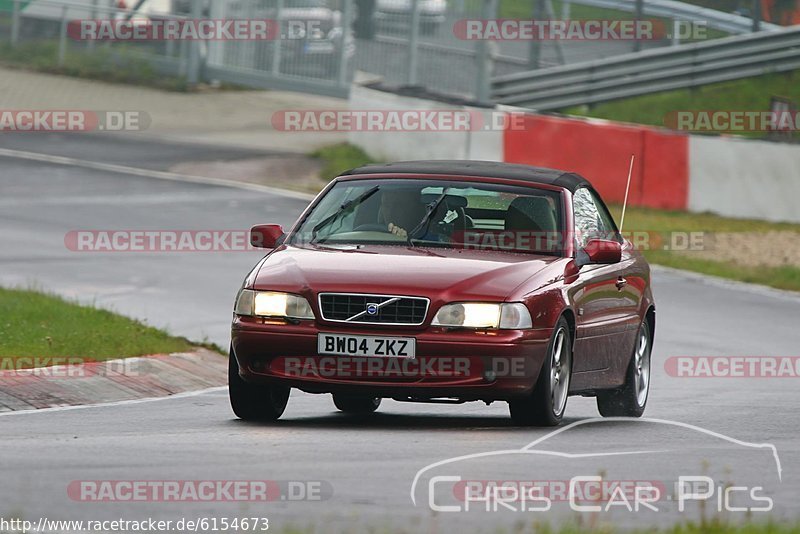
439, 274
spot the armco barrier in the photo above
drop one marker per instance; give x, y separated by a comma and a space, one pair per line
601, 151
651, 71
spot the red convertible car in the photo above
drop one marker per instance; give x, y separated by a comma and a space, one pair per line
446, 281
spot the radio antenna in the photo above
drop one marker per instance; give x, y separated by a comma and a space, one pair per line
627, 190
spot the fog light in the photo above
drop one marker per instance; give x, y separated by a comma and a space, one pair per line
257, 365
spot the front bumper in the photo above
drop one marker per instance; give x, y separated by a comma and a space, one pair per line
459, 364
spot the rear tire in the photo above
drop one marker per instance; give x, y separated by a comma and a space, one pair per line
254, 402
630, 399
356, 405
548, 402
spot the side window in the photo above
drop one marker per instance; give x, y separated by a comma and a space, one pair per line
605, 217
589, 223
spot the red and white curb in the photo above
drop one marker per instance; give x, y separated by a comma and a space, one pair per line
144, 377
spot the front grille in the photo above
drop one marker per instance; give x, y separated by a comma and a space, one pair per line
391, 309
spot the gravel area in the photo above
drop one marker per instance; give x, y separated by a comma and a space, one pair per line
752, 249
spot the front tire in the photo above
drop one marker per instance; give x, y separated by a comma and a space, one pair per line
254, 402
356, 405
547, 404
630, 399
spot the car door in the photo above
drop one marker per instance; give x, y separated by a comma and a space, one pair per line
606, 303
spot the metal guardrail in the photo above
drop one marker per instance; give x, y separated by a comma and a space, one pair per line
719, 20
651, 71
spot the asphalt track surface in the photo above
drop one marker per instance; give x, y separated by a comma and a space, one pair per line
364, 467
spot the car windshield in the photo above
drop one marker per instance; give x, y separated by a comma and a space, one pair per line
435, 213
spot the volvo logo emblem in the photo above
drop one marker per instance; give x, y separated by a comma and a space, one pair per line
372, 309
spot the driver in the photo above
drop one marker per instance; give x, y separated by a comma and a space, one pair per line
401, 211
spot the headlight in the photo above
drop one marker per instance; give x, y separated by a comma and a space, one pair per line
483, 315
272, 304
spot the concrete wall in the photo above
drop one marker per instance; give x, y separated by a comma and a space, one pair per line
744, 178
398, 146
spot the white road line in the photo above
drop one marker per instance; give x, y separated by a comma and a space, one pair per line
148, 173
117, 403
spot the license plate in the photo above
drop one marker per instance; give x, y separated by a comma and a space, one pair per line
367, 346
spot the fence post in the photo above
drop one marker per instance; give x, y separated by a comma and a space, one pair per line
193, 74
566, 8
637, 43
484, 57
183, 58
216, 49
278, 41
347, 15
90, 42
62, 38
676, 32
413, 44
535, 50
15, 24
756, 15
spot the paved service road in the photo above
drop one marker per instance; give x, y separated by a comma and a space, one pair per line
364, 467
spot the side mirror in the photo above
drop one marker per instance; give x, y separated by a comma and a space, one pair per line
266, 235
600, 251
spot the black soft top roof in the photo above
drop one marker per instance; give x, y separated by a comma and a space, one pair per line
488, 169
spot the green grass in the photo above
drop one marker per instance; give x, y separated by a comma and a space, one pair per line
117, 65
748, 94
777, 277
339, 158
665, 222
37, 325
637, 218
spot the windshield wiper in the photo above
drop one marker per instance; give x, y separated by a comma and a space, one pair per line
426, 220
344, 209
